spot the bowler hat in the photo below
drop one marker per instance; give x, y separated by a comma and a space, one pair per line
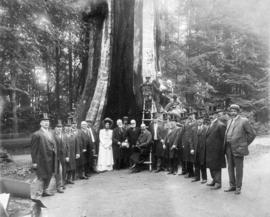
69, 121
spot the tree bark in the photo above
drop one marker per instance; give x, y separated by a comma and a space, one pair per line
70, 78
57, 80
14, 104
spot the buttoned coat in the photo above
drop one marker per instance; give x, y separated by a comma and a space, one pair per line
215, 151
43, 153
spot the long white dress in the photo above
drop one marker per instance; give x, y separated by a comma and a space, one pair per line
105, 155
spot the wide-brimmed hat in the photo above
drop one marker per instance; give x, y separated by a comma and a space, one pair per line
108, 120
234, 106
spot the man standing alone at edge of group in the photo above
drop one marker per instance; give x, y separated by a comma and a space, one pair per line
239, 135
215, 153
43, 153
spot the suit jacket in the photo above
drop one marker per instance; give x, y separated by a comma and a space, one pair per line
132, 136
144, 140
118, 136
215, 152
170, 140
43, 153
62, 150
242, 136
93, 144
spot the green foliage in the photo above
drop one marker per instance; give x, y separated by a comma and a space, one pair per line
216, 51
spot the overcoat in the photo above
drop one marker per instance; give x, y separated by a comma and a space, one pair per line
215, 151
189, 141
73, 149
132, 135
43, 153
200, 150
83, 142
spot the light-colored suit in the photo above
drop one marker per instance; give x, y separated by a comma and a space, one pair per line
242, 136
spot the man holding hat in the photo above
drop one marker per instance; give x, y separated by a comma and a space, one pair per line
239, 135
43, 153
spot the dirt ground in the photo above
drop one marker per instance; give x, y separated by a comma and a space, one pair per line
121, 194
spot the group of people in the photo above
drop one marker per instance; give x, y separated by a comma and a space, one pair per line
195, 144
66, 153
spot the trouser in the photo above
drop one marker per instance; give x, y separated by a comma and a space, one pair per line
216, 175
235, 167
59, 178
40, 186
190, 170
160, 163
71, 175
173, 165
200, 169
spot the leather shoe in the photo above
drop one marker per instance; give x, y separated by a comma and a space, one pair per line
70, 182
195, 180
169, 173
237, 191
157, 171
216, 187
182, 174
211, 184
230, 189
203, 181
46, 194
60, 191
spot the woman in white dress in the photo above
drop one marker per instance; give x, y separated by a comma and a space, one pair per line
105, 155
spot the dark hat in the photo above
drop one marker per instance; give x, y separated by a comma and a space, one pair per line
147, 76
234, 106
45, 116
174, 96
125, 118
59, 123
88, 120
69, 121
74, 121
108, 120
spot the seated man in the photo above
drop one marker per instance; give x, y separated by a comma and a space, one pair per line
141, 150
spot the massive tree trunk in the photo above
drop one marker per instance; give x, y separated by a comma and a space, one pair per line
112, 68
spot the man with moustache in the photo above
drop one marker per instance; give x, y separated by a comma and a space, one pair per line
239, 135
92, 150
215, 153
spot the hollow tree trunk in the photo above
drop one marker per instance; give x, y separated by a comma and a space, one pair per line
113, 88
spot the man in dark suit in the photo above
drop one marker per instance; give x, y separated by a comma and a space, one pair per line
141, 150
132, 136
172, 147
188, 141
239, 135
92, 150
62, 153
119, 152
158, 135
199, 152
215, 153
43, 153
